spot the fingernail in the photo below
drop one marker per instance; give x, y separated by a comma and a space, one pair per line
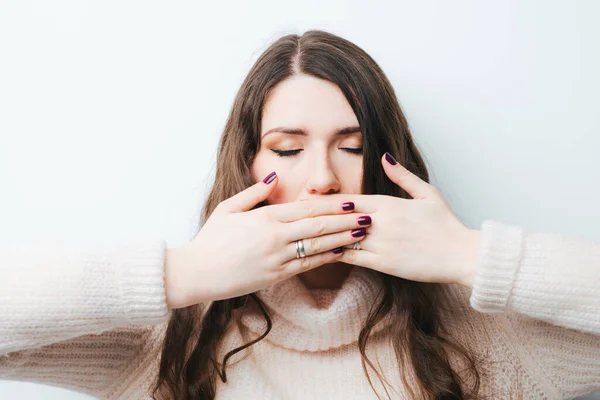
364, 220
348, 206
359, 232
270, 178
338, 250
389, 158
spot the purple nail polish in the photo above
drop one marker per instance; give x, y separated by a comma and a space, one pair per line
348, 206
270, 178
359, 232
338, 250
389, 158
364, 220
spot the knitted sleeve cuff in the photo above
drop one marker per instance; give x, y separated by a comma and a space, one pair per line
500, 253
142, 282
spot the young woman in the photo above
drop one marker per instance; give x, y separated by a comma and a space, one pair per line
341, 275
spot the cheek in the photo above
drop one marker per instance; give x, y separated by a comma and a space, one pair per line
351, 177
260, 168
263, 166
277, 197
287, 190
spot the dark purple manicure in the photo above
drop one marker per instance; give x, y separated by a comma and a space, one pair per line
270, 178
338, 250
359, 232
389, 158
364, 220
348, 206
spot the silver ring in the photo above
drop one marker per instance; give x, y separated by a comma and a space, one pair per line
300, 249
356, 246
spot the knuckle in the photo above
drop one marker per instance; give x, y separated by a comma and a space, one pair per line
315, 245
305, 263
265, 220
309, 209
280, 268
318, 226
264, 215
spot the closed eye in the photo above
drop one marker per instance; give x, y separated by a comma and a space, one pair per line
289, 153
286, 153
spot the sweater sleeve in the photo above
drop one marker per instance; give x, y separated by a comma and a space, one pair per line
79, 317
554, 283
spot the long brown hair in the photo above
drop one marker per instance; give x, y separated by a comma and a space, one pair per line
417, 310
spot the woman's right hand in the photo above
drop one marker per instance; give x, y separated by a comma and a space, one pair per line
240, 250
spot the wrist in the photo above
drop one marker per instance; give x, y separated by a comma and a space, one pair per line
175, 289
470, 247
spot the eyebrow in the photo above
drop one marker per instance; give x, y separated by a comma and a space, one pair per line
297, 131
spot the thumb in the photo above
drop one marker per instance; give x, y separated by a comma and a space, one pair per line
408, 181
246, 199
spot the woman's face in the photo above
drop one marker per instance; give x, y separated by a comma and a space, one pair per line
311, 138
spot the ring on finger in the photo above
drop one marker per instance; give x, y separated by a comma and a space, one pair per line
300, 251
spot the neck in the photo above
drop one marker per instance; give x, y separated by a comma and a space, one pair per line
328, 276
316, 319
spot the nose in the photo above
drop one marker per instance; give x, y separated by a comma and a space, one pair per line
322, 179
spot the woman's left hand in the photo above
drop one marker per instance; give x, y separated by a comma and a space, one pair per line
418, 239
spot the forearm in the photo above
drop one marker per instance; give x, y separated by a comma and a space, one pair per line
57, 291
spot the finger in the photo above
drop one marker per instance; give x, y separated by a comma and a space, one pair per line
246, 199
364, 244
296, 210
363, 203
323, 225
320, 244
299, 265
408, 181
360, 258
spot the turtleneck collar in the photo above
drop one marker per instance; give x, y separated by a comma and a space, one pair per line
315, 319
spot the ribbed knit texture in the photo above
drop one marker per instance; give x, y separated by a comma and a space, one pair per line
307, 324
92, 319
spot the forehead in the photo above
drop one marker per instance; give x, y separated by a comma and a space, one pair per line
307, 102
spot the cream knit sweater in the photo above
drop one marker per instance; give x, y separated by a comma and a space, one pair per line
92, 320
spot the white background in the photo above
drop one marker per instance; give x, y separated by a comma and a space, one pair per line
110, 111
